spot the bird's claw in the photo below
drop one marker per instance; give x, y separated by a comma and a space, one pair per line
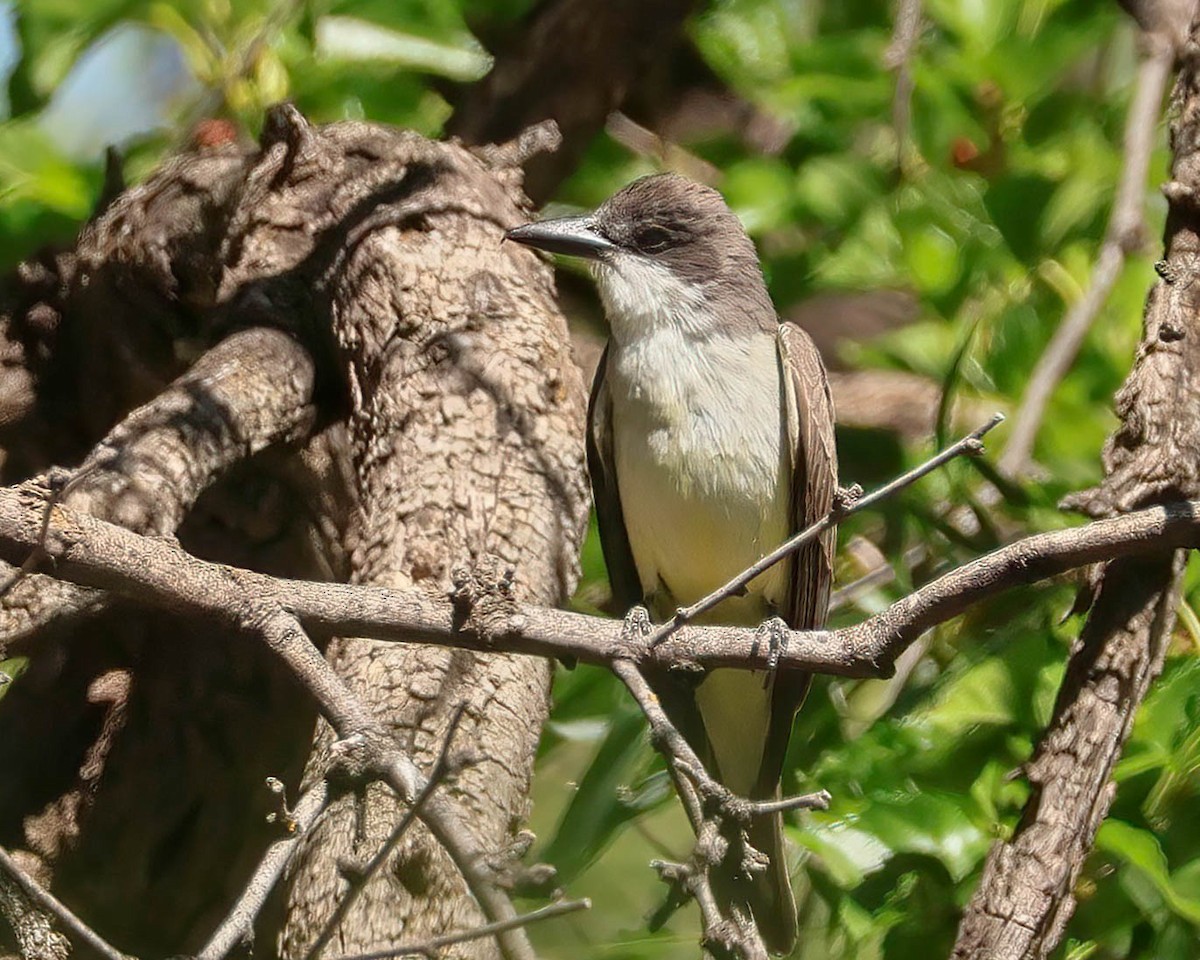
775, 633
637, 626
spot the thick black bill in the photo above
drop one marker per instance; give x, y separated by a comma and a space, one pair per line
573, 236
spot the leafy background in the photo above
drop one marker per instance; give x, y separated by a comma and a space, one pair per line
991, 224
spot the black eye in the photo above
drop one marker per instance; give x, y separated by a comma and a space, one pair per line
652, 239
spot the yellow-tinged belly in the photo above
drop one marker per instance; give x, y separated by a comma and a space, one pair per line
704, 476
704, 480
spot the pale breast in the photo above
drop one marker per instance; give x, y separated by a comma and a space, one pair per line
701, 465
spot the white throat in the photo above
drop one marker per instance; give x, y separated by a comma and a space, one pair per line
642, 298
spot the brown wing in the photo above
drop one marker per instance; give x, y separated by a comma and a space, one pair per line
808, 417
618, 556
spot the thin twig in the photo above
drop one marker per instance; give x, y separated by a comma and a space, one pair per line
379, 754
968, 445
433, 946
155, 572
898, 58
238, 925
436, 775
1124, 235
669, 740
45, 899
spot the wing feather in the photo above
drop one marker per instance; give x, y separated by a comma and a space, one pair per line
614, 540
810, 434
808, 418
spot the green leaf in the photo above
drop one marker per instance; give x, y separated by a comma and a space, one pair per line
1140, 850
932, 824
601, 805
12, 668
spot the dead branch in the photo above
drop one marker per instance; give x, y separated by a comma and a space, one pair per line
1125, 235
159, 573
33, 928
709, 807
45, 900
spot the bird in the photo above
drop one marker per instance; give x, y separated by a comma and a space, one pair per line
710, 441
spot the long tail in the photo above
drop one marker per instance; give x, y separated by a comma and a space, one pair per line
749, 771
766, 895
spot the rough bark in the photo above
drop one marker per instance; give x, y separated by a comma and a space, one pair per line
1025, 897
355, 274
118, 749
465, 423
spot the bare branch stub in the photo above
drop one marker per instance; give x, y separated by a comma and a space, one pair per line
1025, 897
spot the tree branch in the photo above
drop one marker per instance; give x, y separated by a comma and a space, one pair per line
158, 573
51, 904
248, 392
1026, 895
1126, 230
434, 946
898, 59
440, 769
969, 444
574, 62
367, 749
238, 925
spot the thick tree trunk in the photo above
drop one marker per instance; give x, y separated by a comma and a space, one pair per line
465, 422
350, 278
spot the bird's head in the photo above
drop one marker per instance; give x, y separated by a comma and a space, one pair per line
664, 250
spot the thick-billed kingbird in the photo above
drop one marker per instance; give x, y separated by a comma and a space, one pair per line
710, 442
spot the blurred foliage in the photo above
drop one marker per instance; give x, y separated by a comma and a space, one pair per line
992, 221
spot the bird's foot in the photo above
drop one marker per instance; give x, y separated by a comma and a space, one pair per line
844, 498
637, 626
775, 634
